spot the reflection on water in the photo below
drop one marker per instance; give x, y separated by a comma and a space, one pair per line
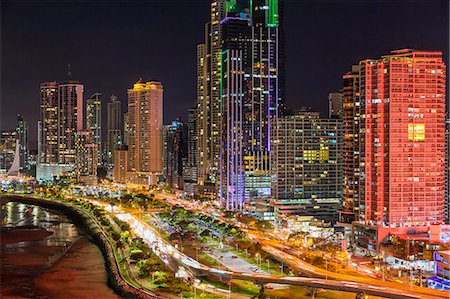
30, 250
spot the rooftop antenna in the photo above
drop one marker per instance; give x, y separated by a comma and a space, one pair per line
69, 72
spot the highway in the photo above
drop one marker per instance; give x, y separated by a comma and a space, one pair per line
188, 265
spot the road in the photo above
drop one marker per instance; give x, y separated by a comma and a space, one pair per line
189, 265
274, 247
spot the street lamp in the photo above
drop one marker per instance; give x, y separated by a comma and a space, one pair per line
258, 257
268, 265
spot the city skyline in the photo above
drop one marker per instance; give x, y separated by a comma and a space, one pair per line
303, 63
248, 156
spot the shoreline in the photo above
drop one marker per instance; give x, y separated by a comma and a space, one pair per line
80, 270
86, 224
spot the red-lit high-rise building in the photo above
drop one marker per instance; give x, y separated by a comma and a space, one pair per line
402, 158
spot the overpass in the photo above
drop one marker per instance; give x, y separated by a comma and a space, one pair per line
193, 267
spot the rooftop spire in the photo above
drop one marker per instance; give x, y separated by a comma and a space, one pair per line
69, 72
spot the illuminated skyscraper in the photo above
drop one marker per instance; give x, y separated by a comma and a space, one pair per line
94, 122
113, 128
86, 158
403, 154
70, 119
61, 119
208, 96
145, 117
22, 136
48, 145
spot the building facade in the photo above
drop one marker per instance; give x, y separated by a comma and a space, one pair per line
120, 164
113, 128
335, 104
22, 136
145, 116
94, 122
308, 166
49, 127
403, 138
70, 119
86, 158
174, 153
351, 126
8, 140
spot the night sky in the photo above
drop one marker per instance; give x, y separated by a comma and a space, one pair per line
111, 44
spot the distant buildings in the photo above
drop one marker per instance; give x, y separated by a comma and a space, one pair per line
49, 124
70, 119
145, 117
8, 140
86, 159
94, 122
22, 136
61, 119
113, 129
308, 177
125, 128
120, 164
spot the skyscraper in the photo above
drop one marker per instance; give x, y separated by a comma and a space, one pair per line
190, 170
86, 158
403, 159
308, 166
145, 116
352, 120
236, 32
22, 136
94, 122
61, 119
70, 118
113, 128
173, 154
48, 145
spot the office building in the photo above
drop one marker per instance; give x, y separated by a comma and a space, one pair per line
308, 166
22, 136
120, 164
113, 128
335, 104
403, 155
94, 122
190, 170
70, 119
86, 158
145, 116
175, 148
49, 126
